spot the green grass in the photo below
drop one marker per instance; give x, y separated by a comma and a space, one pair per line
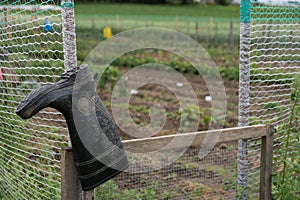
157, 10
110, 190
213, 21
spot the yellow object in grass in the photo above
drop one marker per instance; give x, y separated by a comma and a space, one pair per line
107, 32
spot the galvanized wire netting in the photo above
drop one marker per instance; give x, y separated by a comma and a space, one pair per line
31, 56
189, 177
274, 59
206, 30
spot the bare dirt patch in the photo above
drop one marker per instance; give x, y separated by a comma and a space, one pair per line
151, 94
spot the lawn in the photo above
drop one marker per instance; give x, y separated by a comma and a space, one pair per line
157, 10
214, 25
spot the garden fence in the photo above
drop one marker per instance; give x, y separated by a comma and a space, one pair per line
206, 30
189, 177
269, 61
32, 54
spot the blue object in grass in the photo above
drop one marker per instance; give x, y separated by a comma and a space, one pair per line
48, 26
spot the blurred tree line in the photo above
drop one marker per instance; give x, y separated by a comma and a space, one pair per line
176, 2
142, 1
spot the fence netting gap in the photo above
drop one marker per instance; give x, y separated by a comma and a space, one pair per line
31, 55
274, 62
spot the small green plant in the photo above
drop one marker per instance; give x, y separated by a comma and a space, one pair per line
198, 190
110, 190
286, 182
189, 116
230, 73
188, 165
170, 176
111, 75
223, 2
271, 105
169, 194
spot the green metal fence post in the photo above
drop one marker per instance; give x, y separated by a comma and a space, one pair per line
244, 96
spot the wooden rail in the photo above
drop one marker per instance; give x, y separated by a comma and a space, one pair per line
225, 135
69, 179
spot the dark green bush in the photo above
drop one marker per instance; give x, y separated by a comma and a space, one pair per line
223, 2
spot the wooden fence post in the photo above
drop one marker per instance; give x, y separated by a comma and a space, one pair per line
176, 23
231, 33
117, 23
196, 31
88, 195
216, 34
266, 165
93, 25
69, 178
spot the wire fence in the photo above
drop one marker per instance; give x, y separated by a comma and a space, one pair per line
31, 55
206, 30
189, 177
269, 63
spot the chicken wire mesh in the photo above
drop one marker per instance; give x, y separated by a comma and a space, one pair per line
269, 63
31, 55
189, 177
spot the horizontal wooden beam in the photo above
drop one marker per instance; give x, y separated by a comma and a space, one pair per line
197, 138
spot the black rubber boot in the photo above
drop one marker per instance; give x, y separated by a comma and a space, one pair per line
98, 151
